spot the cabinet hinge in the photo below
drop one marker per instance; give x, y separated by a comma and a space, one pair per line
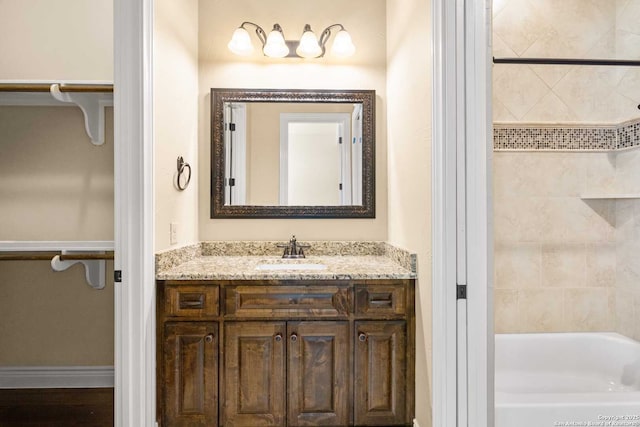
117, 276
461, 291
339, 140
232, 182
232, 127
340, 186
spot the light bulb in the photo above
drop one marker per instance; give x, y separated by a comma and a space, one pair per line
342, 44
275, 47
240, 43
308, 46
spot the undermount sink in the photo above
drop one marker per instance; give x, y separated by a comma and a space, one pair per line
292, 266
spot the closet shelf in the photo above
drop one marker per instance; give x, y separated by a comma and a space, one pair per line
91, 254
91, 97
597, 196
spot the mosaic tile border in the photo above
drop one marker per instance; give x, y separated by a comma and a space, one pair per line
507, 137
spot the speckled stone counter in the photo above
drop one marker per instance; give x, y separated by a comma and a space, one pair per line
326, 260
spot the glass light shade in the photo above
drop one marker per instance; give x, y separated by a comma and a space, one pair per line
240, 43
342, 44
309, 47
275, 46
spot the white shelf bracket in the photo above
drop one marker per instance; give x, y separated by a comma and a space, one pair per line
94, 270
92, 106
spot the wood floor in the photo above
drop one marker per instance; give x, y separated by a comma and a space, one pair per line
56, 407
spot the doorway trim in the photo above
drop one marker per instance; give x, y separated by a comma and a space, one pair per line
134, 358
462, 247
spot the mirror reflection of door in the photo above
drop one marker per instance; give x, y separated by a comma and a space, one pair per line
315, 159
235, 149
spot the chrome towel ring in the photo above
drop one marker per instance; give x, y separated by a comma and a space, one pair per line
182, 165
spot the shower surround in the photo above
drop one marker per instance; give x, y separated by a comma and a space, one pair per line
566, 168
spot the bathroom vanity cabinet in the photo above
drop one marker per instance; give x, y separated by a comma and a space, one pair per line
286, 352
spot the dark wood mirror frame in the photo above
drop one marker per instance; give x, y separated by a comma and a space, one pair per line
220, 96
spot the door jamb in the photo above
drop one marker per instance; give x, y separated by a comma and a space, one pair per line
461, 75
134, 358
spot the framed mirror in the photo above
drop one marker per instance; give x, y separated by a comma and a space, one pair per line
292, 153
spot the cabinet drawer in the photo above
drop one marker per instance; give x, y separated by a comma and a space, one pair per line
291, 301
383, 300
198, 301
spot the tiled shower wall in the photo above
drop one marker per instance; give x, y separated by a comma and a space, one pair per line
564, 263
567, 28
628, 246
555, 255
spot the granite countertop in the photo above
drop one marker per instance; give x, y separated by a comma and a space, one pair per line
247, 268
205, 262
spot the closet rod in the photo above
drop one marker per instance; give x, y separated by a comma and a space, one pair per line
567, 61
46, 87
47, 256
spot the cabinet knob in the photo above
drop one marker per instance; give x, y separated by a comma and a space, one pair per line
278, 337
294, 337
362, 337
208, 338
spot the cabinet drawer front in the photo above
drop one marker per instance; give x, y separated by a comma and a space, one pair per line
193, 301
383, 300
291, 301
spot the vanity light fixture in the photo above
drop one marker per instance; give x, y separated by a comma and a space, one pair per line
275, 46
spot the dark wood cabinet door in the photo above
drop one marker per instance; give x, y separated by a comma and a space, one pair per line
191, 374
380, 373
254, 374
318, 373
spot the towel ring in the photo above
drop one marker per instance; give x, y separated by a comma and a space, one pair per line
182, 165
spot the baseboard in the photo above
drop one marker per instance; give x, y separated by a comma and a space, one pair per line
56, 376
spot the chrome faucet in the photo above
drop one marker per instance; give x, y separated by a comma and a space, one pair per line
293, 249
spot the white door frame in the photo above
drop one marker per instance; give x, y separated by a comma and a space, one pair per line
134, 357
462, 246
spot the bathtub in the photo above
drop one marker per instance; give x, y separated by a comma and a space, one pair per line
567, 379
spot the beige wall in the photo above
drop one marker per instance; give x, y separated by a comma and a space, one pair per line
570, 28
409, 134
175, 118
54, 185
365, 20
51, 40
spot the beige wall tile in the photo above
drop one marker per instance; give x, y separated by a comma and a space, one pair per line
601, 265
589, 309
571, 220
636, 316
569, 28
514, 221
625, 320
518, 88
564, 266
550, 109
517, 265
541, 310
507, 317
519, 24
600, 173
